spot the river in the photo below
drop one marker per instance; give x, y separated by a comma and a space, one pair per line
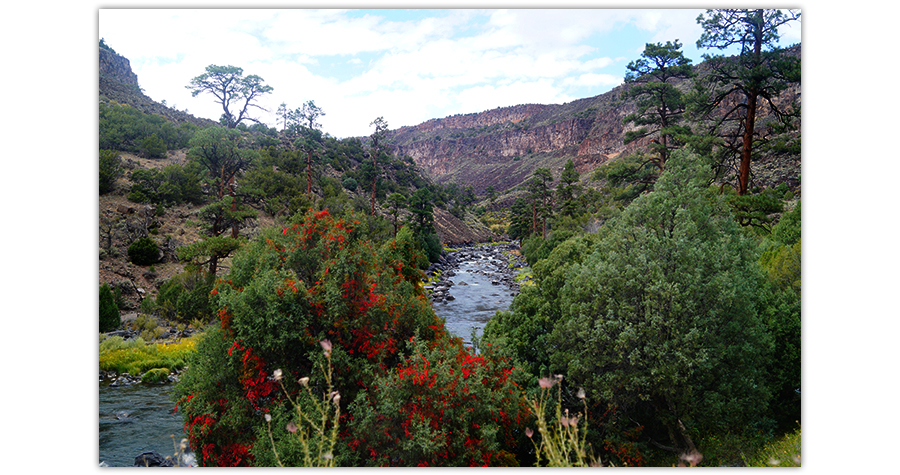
135, 419
475, 295
138, 418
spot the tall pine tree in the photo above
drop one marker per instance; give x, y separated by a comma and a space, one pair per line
741, 86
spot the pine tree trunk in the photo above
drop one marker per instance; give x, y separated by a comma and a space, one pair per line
309, 172
374, 182
746, 147
750, 123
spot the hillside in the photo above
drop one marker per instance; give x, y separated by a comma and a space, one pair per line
119, 84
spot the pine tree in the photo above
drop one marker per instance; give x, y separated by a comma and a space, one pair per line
660, 104
743, 85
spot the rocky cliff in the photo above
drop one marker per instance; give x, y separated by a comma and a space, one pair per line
116, 68
119, 84
503, 146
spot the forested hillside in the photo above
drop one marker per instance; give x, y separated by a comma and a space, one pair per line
660, 324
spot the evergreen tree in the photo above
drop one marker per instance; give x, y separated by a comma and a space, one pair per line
520, 219
220, 151
568, 189
381, 128
396, 202
491, 195
153, 147
660, 104
541, 197
744, 85
109, 312
236, 93
110, 170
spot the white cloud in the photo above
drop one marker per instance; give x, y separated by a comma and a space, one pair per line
358, 67
593, 80
481, 98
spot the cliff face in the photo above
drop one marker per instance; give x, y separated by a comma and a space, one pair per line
503, 146
117, 68
118, 83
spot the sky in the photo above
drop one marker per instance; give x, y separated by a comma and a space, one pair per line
405, 65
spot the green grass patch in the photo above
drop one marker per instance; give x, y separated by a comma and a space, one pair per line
730, 450
524, 276
783, 452
137, 357
156, 376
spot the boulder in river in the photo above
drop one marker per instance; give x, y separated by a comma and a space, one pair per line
152, 459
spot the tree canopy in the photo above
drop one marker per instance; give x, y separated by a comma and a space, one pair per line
235, 92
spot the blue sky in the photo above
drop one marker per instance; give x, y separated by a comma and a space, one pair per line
406, 65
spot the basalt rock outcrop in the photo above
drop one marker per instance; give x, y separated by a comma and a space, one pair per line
503, 146
119, 84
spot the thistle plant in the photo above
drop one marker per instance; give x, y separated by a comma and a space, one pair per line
183, 456
562, 444
311, 429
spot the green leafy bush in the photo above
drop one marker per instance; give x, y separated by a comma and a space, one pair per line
441, 406
667, 305
109, 311
143, 251
185, 297
659, 317
125, 128
153, 147
321, 278
350, 184
173, 184
110, 169
156, 376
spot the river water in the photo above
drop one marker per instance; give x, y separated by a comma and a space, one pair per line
138, 418
475, 298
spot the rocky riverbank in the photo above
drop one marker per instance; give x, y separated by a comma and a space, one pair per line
500, 261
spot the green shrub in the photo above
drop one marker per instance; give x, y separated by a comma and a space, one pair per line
110, 169
660, 320
431, 243
144, 322
156, 376
110, 343
143, 251
153, 146
185, 297
109, 311
323, 278
350, 184
137, 195
152, 334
